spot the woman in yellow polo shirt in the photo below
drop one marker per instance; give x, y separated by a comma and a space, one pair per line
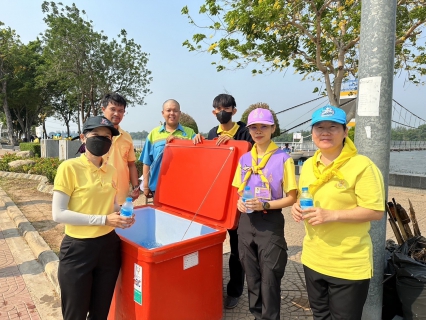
84, 199
348, 193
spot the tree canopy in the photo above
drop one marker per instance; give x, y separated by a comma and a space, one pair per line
87, 65
66, 72
188, 121
319, 39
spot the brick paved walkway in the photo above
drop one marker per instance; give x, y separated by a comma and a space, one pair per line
15, 299
25, 292
27, 303
294, 299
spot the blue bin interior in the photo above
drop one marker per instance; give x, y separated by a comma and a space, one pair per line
155, 228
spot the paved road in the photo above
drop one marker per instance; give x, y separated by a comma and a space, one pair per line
26, 293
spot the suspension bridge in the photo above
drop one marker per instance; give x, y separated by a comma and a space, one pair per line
408, 129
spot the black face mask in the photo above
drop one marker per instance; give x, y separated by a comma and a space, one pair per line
98, 146
224, 117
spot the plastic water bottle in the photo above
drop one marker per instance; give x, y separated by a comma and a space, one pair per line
247, 194
127, 208
306, 200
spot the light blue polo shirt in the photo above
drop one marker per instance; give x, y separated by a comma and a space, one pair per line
152, 153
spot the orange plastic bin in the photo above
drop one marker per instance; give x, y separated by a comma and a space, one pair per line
172, 255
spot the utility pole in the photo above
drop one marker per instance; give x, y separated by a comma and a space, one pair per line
373, 118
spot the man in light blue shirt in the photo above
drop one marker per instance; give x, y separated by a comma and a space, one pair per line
152, 153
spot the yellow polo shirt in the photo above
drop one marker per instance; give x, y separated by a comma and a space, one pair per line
231, 132
338, 249
92, 191
121, 152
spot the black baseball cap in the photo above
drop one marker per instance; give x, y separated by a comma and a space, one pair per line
99, 121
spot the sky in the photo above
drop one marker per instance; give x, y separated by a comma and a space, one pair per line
187, 77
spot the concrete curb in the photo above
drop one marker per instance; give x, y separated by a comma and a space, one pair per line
43, 253
43, 186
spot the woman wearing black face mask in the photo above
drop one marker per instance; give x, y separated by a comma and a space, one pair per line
84, 200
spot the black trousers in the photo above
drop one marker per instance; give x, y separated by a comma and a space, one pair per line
263, 255
88, 270
236, 272
335, 298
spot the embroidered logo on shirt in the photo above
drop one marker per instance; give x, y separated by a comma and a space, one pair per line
340, 184
245, 168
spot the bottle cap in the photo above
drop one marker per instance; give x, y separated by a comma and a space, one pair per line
129, 199
247, 188
305, 189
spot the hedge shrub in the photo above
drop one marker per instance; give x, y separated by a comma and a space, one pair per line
44, 166
30, 146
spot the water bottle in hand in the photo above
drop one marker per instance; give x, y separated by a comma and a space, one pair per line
306, 200
247, 194
127, 208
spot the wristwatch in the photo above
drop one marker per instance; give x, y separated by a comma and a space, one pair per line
266, 205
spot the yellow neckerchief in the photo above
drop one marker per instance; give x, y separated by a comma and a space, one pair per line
257, 168
348, 151
230, 133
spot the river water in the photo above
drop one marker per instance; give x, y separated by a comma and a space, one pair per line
408, 162
404, 162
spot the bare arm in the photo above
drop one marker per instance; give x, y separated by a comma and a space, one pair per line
133, 173
134, 179
146, 191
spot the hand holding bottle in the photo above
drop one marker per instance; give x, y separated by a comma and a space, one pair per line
247, 195
117, 221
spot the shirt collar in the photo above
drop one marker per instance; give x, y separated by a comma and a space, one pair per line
163, 128
231, 132
89, 164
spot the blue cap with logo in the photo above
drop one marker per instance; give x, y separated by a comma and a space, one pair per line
329, 113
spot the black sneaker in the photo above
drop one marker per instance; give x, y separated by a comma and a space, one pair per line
231, 302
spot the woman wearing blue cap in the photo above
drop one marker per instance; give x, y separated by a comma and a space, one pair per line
269, 172
84, 200
348, 192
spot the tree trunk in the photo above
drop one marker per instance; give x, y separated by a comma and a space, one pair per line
82, 108
22, 125
67, 124
44, 129
78, 121
9, 123
92, 102
330, 92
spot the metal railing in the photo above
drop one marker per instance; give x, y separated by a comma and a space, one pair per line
407, 145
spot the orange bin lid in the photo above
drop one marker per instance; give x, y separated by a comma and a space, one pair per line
196, 180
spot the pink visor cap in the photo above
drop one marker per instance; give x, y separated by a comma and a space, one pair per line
260, 115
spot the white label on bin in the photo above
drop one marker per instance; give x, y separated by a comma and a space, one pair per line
190, 260
137, 286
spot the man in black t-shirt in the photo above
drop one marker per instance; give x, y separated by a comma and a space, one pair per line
224, 107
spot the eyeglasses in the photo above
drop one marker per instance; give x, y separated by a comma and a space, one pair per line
261, 128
